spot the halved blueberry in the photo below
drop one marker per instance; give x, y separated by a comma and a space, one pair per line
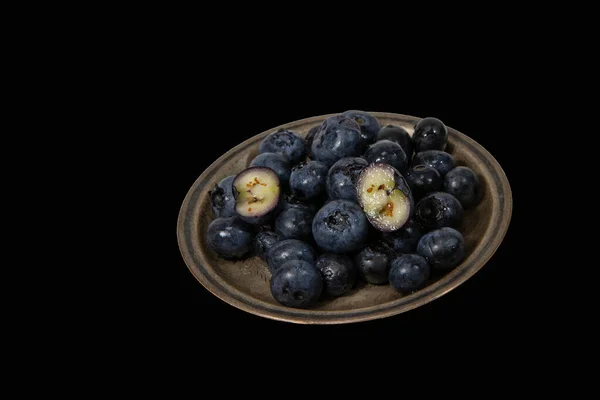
256, 192
384, 196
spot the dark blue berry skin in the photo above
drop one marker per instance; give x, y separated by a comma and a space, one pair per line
287, 250
308, 139
341, 178
439, 209
278, 163
369, 125
405, 239
294, 223
388, 152
463, 183
297, 284
337, 137
221, 198
340, 226
230, 237
423, 180
338, 273
263, 242
409, 273
288, 200
443, 248
437, 159
284, 142
307, 180
430, 134
398, 135
373, 263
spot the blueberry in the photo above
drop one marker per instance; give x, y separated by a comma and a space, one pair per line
409, 273
369, 125
384, 196
307, 180
230, 237
342, 176
310, 136
294, 223
297, 284
437, 159
388, 152
289, 249
263, 242
439, 209
340, 226
221, 198
373, 263
423, 180
289, 200
463, 183
443, 248
284, 142
338, 273
430, 134
278, 163
398, 135
405, 239
337, 137
257, 195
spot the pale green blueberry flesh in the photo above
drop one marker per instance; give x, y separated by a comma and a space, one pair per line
257, 191
386, 206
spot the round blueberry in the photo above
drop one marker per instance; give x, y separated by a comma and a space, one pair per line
307, 180
437, 159
338, 273
310, 135
294, 223
409, 273
278, 163
405, 239
337, 137
388, 152
230, 237
284, 142
296, 284
430, 134
398, 135
263, 242
289, 200
222, 199
443, 248
423, 180
439, 209
340, 226
373, 263
463, 183
369, 125
289, 249
341, 178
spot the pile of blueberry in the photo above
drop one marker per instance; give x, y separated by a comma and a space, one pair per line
353, 200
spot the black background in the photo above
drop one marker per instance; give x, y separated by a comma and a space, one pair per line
205, 120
